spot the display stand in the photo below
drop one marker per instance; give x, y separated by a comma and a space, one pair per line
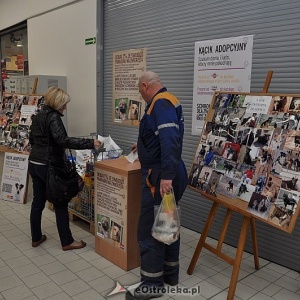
236, 262
117, 208
247, 219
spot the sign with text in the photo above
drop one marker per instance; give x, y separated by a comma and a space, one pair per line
14, 177
128, 105
219, 65
111, 210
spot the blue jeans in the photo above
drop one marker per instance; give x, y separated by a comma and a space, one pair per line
39, 177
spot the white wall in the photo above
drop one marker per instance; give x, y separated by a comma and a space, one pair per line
15, 11
56, 47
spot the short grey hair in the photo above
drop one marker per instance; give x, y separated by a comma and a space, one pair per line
150, 77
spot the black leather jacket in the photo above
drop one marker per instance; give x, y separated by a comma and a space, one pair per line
58, 138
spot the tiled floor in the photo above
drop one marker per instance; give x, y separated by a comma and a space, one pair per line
46, 272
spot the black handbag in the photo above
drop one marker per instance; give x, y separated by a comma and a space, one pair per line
63, 182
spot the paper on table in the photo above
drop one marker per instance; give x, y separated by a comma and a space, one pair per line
132, 156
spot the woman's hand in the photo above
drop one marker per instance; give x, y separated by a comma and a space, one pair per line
97, 144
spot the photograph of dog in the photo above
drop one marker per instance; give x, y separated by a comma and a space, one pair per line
103, 226
259, 205
121, 109
18, 192
295, 104
227, 186
134, 112
116, 232
279, 104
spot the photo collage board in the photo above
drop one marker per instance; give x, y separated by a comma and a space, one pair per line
16, 115
249, 155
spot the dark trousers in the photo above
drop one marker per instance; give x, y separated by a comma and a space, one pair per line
159, 262
39, 176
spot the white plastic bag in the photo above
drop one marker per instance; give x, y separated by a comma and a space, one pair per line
166, 226
112, 150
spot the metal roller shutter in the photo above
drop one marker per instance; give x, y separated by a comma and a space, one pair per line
169, 29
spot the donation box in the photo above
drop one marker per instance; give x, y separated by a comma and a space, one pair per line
117, 209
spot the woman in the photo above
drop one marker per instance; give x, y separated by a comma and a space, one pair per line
48, 138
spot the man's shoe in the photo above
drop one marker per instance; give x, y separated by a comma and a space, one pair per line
43, 239
137, 294
171, 282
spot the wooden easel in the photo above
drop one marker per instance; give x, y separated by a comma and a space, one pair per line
247, 219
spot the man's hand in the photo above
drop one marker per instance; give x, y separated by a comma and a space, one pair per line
134, 147
165, 186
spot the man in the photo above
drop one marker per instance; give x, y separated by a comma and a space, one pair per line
159, 147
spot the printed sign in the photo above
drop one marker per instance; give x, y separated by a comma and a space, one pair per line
111, 210
14, 177
219, 65
128, 105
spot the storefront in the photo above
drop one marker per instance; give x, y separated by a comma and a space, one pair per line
14, 55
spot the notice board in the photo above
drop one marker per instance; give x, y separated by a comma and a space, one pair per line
248, 155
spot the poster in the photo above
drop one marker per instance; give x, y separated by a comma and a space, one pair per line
128, 105
14, 177
219, 65
249, 151
111, 210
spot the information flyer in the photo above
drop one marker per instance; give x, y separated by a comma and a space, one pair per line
14, 177
219, 65
111, 210
128, 105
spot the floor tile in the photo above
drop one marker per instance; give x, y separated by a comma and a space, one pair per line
286, 294
75, 287
63, 277
9, 282
17, 293
46, 290
89, 274
36, 280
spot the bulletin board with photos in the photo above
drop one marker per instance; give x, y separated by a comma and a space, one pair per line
248, 155
15, 119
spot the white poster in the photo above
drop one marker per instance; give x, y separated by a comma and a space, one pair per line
14, 177
219, 65
128, 105
111, 207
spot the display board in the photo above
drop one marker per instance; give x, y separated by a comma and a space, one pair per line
15, 119
248, 155
14, 177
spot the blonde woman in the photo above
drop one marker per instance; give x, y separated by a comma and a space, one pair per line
48, 138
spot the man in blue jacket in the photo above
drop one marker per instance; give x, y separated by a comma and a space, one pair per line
159, 147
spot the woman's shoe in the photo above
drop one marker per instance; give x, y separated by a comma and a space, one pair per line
43, 239
73, 247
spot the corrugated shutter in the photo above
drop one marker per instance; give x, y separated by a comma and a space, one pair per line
169, 29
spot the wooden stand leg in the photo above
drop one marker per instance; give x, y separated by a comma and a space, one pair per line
202, 238
254, 243
238, 259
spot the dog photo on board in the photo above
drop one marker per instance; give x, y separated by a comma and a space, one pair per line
103, 226
18, 192
121, 109
116, 232
134, 112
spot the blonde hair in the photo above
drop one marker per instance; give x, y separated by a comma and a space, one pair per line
56, 98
